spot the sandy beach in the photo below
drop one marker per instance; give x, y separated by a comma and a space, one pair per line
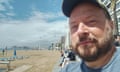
40, 60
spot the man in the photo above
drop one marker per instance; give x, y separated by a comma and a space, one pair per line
92, 37
117, 41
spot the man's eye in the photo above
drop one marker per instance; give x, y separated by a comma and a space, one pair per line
92, 21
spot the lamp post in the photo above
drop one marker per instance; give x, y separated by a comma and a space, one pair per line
40, 44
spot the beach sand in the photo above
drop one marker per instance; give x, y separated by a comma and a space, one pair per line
40, 60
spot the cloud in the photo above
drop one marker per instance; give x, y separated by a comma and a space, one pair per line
35, 28
7, 8
5, 4
2, 8
2, 16
36, 15
10, 14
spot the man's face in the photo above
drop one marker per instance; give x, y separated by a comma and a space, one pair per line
91, 32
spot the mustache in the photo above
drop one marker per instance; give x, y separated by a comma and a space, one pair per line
84, 38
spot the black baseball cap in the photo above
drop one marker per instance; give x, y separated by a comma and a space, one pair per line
69, 5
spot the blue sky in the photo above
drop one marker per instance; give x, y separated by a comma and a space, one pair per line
29, 22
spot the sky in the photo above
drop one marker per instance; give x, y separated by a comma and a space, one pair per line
31, 22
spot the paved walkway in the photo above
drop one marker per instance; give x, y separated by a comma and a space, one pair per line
57, 68
22, 68
3, 69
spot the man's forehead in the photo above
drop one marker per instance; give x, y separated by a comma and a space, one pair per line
84, 16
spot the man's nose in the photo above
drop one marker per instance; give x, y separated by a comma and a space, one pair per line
82, 29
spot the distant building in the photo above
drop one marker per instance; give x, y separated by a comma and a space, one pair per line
67, 40
62, 42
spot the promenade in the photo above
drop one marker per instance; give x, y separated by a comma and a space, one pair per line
57, 68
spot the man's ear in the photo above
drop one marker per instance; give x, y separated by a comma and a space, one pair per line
112, 25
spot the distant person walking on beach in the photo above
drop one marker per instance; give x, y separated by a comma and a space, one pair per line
3, 51
62, 53
14, 53
92, 39
6, 50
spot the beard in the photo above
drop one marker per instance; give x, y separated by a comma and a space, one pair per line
96, 49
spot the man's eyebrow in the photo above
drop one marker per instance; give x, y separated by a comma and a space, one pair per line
86, 18
91, 16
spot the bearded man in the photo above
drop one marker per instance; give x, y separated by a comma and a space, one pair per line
91, 30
